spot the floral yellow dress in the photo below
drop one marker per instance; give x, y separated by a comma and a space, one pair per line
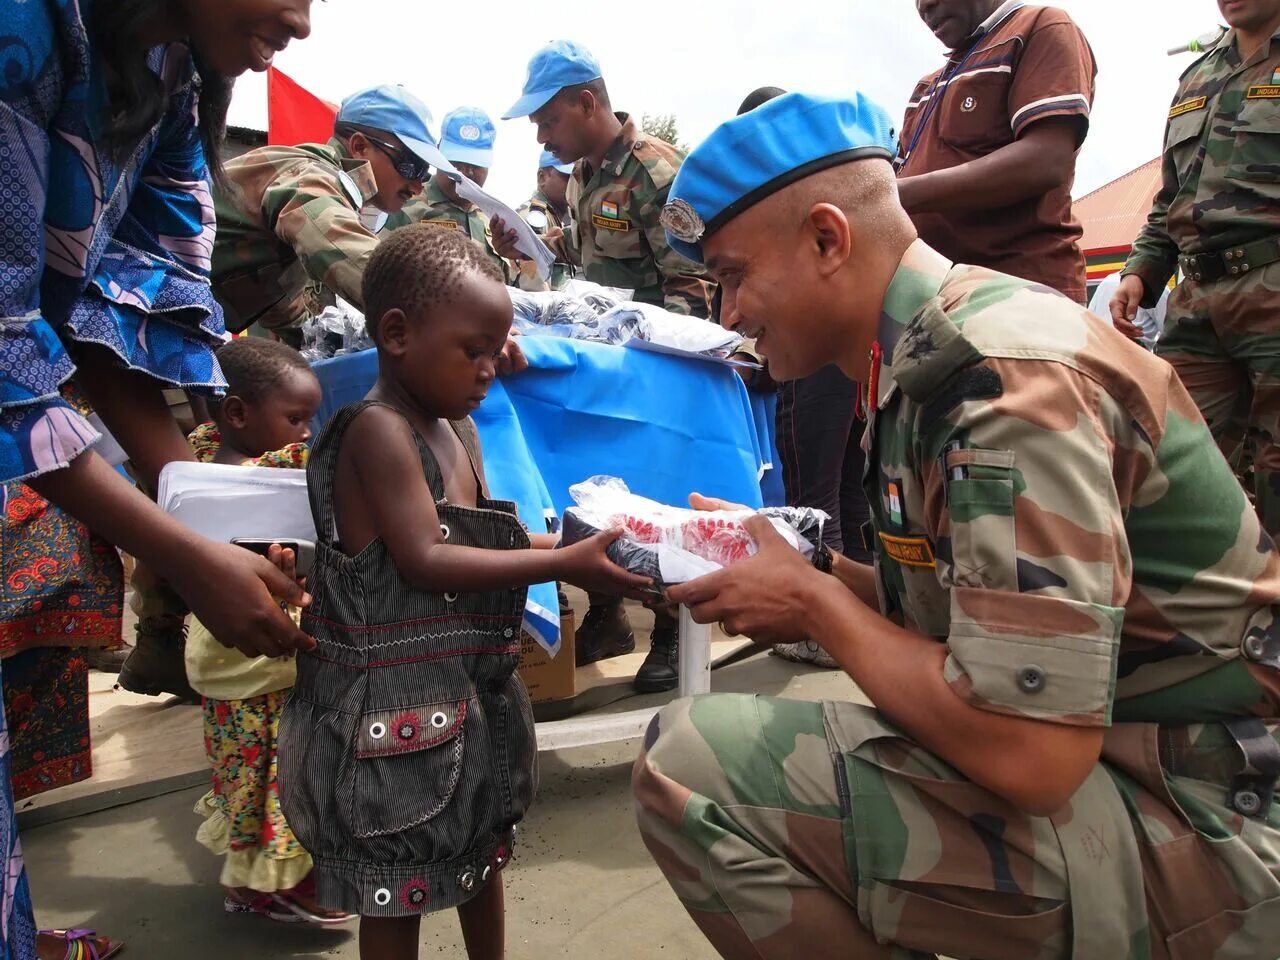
243, 700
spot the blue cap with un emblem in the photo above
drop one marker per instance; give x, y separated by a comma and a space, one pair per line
395, 110
560, 64
468, 137
549, 159
761, 152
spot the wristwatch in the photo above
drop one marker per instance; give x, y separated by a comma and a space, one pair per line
823, 558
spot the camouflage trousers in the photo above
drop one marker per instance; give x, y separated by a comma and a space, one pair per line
1223, 338
791, 829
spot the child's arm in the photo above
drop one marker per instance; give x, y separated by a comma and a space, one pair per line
381, 446
544, 541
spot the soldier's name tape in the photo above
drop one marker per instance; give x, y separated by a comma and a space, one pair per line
607, 223
1188, 106
909, 551
447, 224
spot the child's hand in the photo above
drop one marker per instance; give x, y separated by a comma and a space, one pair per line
586, 565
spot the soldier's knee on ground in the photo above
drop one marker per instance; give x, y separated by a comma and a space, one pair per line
656, 780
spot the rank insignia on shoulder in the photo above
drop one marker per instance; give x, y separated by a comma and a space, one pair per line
1269, 91
1188, 106
909, 551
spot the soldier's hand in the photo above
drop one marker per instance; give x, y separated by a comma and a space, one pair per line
504, 240
764, 597
512, 360
1124, 306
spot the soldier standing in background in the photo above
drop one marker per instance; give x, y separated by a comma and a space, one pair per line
548, 211
1217, 215
290, 216
467, 143
1071, 636
619, 185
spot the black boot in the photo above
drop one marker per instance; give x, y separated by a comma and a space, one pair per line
660, 671
156, 664
605, 632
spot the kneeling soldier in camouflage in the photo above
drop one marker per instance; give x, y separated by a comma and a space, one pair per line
1069, 635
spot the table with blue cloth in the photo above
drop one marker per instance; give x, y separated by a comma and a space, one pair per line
666, 425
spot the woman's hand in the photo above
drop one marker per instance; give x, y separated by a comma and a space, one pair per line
234, 593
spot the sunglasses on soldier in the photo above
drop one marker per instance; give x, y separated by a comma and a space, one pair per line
406, 164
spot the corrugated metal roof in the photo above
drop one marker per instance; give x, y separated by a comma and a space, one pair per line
1114, 214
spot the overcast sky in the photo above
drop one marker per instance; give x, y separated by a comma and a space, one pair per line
699, 58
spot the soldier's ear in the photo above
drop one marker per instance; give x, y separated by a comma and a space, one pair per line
357, 145
829, 233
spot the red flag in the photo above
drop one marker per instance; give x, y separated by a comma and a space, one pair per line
295, 114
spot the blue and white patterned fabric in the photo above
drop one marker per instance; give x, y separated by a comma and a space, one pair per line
95, 247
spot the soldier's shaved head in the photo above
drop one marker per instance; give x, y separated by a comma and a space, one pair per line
805, 270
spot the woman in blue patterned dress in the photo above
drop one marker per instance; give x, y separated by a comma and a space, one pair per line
109, 110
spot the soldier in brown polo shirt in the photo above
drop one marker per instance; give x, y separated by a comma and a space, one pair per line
987, 152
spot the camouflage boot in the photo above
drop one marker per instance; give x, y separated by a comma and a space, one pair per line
156, 664
605, 632
660, 671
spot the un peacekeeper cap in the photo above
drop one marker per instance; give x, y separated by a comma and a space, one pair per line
394, 109
560, 64
549, 159
468, 137
755, 155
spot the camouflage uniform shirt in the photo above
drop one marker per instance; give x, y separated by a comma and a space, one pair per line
1221, 174
616, 237
290, 216
433, 207
539, 214
1047, 501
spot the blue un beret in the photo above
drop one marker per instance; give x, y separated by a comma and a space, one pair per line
759, 153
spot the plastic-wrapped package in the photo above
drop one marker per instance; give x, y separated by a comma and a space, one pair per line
675, 544
674, 330
556, 314
335, 331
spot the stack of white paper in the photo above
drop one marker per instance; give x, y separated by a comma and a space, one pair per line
224, 502
527, 241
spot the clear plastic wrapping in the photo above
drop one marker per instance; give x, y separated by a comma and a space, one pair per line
333, 332
675, 544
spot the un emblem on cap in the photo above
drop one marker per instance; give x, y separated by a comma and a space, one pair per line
682, 221
469, 132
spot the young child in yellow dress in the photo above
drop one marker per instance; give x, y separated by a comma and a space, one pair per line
264, 421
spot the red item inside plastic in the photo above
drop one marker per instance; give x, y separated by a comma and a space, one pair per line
716, 539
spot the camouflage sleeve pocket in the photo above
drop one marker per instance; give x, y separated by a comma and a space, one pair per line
980, 489
1034, 656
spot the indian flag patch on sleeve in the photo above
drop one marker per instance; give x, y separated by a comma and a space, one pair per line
609, 209
895, 503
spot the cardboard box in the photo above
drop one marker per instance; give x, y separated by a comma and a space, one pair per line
549, 678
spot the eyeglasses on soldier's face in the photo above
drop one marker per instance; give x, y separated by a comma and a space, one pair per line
405, 163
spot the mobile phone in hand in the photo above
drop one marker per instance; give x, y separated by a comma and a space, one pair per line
303, 550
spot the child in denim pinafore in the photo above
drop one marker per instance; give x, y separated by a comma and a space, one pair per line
407, 751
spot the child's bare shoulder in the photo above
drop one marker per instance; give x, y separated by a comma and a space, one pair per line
377, 432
